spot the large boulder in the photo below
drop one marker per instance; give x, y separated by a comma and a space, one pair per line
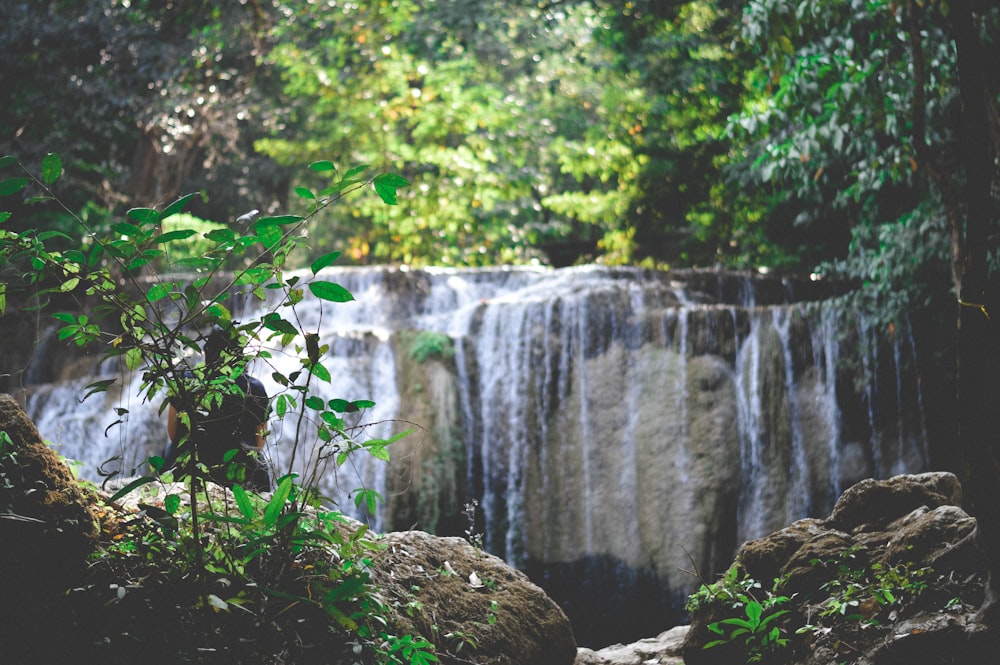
47, 529
472, 604
896, 574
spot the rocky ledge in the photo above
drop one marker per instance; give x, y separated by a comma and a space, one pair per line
895, 574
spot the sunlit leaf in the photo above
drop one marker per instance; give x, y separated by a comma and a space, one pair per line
386, 185
320, 372
324, 261
305, 193
52, 168
330, 291
69, 284
243, 501
171, 503
133, 358
323, 165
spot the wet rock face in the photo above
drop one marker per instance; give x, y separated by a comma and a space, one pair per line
907, 536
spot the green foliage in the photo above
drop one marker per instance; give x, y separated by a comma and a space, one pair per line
864, 593
263, 555
428, 344
755, 631
752, 628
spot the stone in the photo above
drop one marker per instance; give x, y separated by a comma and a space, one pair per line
913, 528
47, 530
664, 649
461, 592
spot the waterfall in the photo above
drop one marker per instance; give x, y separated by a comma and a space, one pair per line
618, 424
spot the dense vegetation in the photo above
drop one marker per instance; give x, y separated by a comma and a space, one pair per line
707, 132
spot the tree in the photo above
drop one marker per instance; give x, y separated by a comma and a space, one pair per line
977, 37
884, 117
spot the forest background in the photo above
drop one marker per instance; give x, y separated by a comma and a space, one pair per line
857, 139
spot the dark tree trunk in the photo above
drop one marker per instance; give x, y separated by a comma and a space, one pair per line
979, 313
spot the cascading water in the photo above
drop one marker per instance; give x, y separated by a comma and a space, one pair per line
614, 426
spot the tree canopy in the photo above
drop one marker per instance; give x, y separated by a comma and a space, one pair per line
703, 132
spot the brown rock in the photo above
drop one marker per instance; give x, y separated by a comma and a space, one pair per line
912, 529
461, 596
46, 532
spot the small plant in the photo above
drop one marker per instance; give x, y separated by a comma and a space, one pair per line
861, 593
754, 628
428, 344
755, 631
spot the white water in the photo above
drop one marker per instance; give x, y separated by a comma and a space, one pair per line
556, 371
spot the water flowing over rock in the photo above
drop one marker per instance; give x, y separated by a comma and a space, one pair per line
611, 428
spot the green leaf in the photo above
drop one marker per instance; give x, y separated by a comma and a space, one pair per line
363, 403
52, 168
171, 503
320, 372
4, 216
133, 358
69, 284
281, 406
12, 186
341, 406
356, 170
177, 206
125, 229
315, 403
280, 220
135, 484
243, 501
219, 312
221, 235
386, 185
98, 387
45, 235
349, 589
379, 452
305, 193
269, 235
179, 234
273, 321
323, 165
324, 261
158, 291
7, 160
144, 215
274, 507
330, 291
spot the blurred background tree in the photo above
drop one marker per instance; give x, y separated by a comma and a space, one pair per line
771, 134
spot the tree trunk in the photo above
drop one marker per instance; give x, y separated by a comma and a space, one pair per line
978, 352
